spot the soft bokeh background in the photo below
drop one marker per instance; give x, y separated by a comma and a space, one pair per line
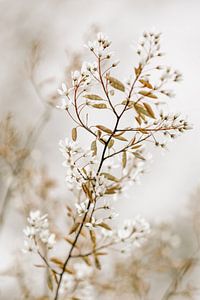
64, 25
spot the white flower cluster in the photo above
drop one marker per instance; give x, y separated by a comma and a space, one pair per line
79, 281
75, 177
98, 46
65, 99
89, 70
150, 40
134, 231
70, 150
81, 207
37, 232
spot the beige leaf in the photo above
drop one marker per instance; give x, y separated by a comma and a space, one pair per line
74, 134
116, 84
93, 97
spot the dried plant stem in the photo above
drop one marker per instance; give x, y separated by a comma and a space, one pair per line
30, 142
180, 275
118, 117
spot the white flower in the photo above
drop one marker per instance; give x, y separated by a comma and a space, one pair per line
63, 91
69, 148
51, 241
94, 223
100, 185
37, 231
82, 207
76, 75
64, 104
134, 231
29, 246
83, 271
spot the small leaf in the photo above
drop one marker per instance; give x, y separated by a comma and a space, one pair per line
124, 159
119, 137
74, 134
149, 109
103, 128
138, 70
138, 155
141, 110
74, 228
97, 262
113, 190
138, 119
93, 238
100, 106
86, 260
106, 226
87, 191
93, 97
50, 281
40, 266
94, 147
116, 84
69, 271
146, 83
148, 94
136, 146
101, 253
110, 177
111, 143
128, 103
57, 261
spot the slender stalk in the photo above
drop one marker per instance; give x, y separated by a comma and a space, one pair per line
30, 142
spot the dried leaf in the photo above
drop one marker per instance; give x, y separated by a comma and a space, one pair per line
138, 70
146, 83
124, 159
103, 128
93, 238
111, 143
141, 110
113, 190
97, 262
87, 191
149, 109
138, 155
94, 147
50, 281
86, 260
93, 97
100, 106
116, 84
57, 261
110, 177
101, 253
148, 94
106, 226
40, 266
69, 271
138, 119
74, 134
119, 137
74, 228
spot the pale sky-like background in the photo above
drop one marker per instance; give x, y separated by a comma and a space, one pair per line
63, 24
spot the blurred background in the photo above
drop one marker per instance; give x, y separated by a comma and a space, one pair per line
59, 28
